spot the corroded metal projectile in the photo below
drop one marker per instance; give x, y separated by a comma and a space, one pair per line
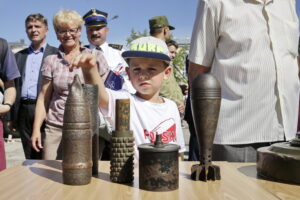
91, 94
77, 138
205, 102
280, 161
158, 166
123, 115
121, 164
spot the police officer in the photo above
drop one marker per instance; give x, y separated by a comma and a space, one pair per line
97, 32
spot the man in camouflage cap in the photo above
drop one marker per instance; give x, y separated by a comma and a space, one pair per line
160, 27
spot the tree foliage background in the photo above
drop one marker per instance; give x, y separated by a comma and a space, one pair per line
178, 62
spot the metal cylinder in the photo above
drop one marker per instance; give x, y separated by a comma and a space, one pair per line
122, 150
158, 166
280, 161
76, 138
205, 103
91, 94
122, 114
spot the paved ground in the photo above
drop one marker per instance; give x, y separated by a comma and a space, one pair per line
15, 154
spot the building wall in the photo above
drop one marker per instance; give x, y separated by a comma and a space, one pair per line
17, 46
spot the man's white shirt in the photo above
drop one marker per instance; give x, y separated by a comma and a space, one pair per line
252, 48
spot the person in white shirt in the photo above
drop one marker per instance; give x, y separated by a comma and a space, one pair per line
97, 32
150, 114
251, 48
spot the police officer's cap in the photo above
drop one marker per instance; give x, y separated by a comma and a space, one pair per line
95, 18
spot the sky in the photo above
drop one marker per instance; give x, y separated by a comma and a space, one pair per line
133, 14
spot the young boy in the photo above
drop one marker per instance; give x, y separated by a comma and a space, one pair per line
150, 114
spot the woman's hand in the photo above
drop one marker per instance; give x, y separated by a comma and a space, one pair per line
36, 141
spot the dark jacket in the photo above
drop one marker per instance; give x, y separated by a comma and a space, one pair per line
21, 58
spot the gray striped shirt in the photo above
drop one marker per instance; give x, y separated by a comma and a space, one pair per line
252, 49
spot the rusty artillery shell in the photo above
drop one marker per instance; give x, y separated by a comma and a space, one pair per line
77, 138
121, 164
158, 166
205, 102
91, 94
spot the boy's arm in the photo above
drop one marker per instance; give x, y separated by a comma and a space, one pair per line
91, 75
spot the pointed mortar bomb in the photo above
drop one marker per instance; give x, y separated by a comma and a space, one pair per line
205, 102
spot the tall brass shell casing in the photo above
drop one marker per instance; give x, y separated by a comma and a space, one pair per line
91, 94
77, 138
158, 166
205, 102
122, 142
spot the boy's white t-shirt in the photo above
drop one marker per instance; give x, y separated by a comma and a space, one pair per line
148, 119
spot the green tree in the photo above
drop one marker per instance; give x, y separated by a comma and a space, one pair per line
136, 34
179, 64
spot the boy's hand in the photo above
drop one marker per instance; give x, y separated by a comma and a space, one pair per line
181, 107
85, 60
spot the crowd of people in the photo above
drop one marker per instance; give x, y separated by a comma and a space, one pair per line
45, 72
250, 47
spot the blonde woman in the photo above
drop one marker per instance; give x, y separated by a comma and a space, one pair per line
56, 77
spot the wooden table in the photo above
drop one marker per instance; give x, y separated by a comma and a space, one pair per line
42, 179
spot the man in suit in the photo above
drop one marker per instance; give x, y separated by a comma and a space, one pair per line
29, 62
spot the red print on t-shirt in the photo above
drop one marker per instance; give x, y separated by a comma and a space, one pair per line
166, 128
